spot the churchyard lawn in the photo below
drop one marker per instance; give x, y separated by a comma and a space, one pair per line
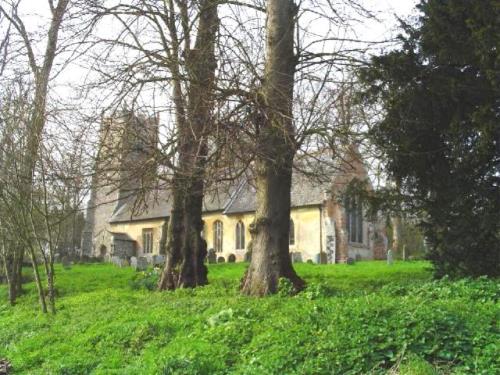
367, 318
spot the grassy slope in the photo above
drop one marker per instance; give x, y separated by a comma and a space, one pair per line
365, 318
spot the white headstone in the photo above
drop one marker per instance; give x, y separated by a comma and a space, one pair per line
133, 262
390, 259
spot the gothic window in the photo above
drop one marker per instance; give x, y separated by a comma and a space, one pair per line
291, 233
217, 228
240, 236
354, 212
147, 241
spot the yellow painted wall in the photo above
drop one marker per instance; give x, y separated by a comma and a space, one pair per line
228, 232
134, 230
307, 232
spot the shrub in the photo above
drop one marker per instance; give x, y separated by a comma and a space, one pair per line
145, 279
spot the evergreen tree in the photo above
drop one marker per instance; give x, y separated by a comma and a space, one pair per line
441, 129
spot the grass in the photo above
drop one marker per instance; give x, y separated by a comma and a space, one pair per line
369, 318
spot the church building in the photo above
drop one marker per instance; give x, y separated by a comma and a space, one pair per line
324, 227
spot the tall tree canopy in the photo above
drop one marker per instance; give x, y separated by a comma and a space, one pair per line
441, 129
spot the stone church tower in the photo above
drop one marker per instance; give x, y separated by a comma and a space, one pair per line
124, 167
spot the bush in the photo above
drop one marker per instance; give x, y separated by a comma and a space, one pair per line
145, 279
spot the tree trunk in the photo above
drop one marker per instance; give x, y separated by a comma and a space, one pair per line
169, 277
396, 234
38, 281
19, 273
186, 249
276, 149
12, 264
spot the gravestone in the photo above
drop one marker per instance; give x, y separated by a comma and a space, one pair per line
231, 258
142, 264
211, 257
296, 257
158, 260
133, 262
350, 261
66, 262
358, 257
116, 260
221, 260
390, 259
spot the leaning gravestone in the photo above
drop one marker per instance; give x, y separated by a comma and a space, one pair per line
390, 259
231, 258
221, 260
211, 257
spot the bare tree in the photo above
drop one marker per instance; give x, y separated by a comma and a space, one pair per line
35, 204
173, 44
270, 253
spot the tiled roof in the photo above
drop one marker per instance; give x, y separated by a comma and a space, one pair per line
239, 196
306, 191
159, 204
121, 236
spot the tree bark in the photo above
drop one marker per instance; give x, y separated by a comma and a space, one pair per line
276, 150
186, 249
12, 256
396, 234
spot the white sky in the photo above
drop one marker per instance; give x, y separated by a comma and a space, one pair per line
65, 86
386, 11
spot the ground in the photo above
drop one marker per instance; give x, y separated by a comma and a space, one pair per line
367, 318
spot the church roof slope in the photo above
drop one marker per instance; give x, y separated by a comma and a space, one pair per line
306, 191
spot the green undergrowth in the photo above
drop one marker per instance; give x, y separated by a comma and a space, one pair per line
368, 318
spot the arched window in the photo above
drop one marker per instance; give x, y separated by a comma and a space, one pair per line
240, 236
354, 211
218, 236
291, 233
